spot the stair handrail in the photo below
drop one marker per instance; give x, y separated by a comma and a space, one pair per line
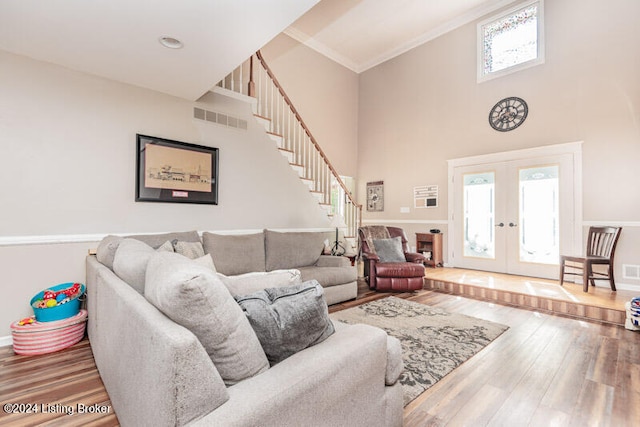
302, 123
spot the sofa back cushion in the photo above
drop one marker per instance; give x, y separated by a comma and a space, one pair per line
131, 259
194, 297
107, 247
285, 250
157, 240
235, 254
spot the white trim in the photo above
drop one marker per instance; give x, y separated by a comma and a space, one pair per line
62, 239
481, 77
525, 153
611, 223
6, 341
405, 221
451, 25
50, 240
322, 49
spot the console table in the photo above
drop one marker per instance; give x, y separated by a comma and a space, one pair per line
430, 242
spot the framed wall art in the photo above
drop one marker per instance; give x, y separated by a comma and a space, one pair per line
375, 196
175, 172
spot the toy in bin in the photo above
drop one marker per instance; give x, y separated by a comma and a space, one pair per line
57, 302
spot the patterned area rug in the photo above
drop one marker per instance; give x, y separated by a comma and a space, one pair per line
434, 342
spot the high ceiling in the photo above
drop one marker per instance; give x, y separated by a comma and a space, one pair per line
118, 39
360, 34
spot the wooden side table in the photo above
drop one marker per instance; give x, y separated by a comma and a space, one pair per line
430, 242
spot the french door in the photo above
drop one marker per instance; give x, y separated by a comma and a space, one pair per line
514, 216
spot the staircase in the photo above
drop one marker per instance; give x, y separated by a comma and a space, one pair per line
284, 125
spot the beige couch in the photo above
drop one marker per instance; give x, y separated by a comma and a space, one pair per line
158, 373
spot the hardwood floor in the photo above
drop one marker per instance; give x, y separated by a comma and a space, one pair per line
546, 370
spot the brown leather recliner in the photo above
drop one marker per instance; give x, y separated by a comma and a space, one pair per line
390, 276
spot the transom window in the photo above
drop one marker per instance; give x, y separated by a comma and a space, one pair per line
511, 41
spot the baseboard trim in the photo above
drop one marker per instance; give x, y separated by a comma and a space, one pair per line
6, 341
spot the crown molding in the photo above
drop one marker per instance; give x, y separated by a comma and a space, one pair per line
451, 25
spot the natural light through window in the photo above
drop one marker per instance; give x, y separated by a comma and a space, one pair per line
510, 41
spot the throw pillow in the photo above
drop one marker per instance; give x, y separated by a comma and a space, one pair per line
130, 261
248, 283
206, 261
289, 319
191, 250
193, 296
389, 250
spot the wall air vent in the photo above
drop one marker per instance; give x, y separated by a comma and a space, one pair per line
631, 271
219, 118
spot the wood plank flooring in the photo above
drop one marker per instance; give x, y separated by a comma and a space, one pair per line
546, 370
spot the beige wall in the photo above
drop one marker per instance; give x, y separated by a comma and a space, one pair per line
324, 93
425, 107
68, 173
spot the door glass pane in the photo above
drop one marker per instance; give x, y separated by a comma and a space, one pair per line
539, 215
479, 215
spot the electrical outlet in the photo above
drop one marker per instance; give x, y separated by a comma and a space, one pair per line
405, 210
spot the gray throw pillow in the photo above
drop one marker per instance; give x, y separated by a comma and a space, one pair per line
288, 319
192, 296
389, 250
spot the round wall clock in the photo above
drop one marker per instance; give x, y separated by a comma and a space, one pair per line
508, 114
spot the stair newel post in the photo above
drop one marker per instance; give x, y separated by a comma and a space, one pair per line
252, 85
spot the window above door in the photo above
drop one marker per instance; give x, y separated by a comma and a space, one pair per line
511, 41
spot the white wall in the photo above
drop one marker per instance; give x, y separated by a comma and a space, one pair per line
425, 107
67, 142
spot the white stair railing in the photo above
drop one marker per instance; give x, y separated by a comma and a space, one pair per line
254, 78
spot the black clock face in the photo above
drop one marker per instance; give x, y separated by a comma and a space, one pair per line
508, 114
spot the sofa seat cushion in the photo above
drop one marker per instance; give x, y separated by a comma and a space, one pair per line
292, 249
399, 269
235, 254
329, 276
288, 319
193, 296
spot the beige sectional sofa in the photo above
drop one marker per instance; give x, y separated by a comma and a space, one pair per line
159, 372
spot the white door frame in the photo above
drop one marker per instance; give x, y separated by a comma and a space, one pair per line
573, 148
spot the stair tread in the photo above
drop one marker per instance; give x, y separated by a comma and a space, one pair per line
262, 117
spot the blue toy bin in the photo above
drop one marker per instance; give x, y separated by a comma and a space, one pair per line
60, 311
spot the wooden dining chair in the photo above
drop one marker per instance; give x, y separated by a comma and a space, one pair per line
601, 246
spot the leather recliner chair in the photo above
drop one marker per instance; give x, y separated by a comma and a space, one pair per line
391, 276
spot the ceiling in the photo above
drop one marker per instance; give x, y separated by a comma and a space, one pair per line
361, 34
119, 39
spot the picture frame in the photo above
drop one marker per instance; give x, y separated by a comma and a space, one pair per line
375, 196
175, 172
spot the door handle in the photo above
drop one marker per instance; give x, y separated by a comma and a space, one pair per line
511, 224
500, 224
